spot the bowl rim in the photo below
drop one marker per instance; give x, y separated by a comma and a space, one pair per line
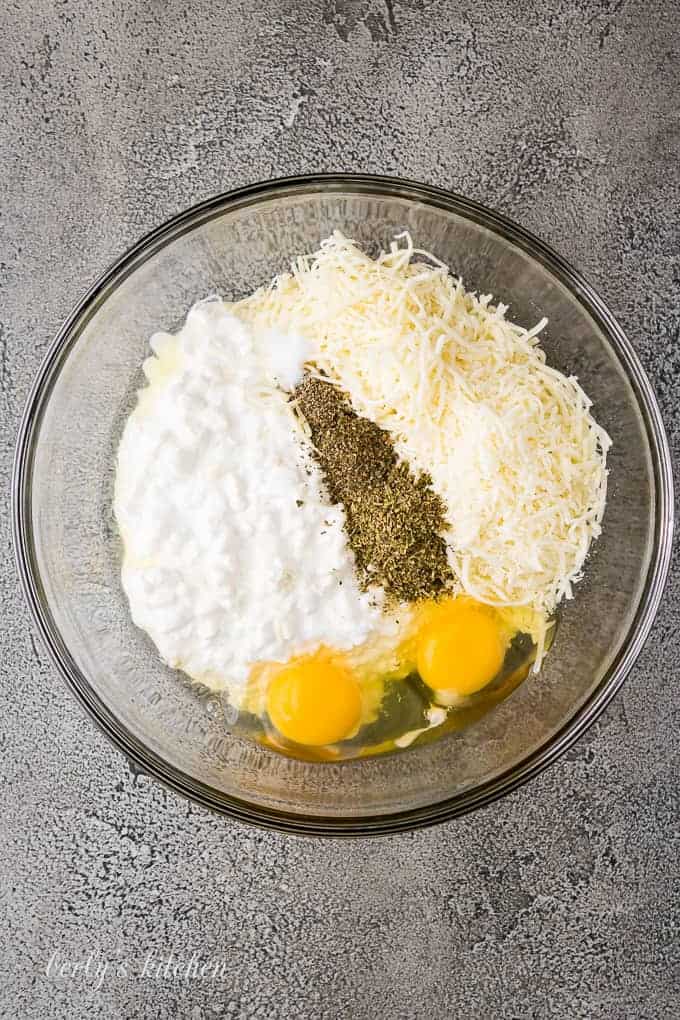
152, 764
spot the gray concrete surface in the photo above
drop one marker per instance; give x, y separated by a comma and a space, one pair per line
561, 901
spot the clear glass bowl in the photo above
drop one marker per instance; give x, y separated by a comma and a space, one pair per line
68, 549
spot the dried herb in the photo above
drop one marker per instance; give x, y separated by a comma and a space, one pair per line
394, 519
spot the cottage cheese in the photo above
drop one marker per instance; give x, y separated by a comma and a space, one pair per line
232, 554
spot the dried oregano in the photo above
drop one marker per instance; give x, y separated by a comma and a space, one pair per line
394, 519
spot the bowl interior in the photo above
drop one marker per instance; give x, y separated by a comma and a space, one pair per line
229, 249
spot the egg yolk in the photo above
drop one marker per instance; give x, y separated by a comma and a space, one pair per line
461, 649
314, 701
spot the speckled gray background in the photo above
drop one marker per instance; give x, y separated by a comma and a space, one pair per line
561, 901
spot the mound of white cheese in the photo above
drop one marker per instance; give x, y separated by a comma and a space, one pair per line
232, 555
508, 441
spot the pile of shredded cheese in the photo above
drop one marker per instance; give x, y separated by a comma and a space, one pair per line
467, 397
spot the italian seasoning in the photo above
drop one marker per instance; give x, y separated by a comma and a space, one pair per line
394, 520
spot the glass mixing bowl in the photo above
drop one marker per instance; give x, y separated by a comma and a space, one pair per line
68, 549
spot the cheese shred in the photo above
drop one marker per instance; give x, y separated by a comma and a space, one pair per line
467, 397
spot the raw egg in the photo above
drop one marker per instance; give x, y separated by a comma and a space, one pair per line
314, 701
461, 648
383, 695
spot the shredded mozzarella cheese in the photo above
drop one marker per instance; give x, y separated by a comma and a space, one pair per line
467, 396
